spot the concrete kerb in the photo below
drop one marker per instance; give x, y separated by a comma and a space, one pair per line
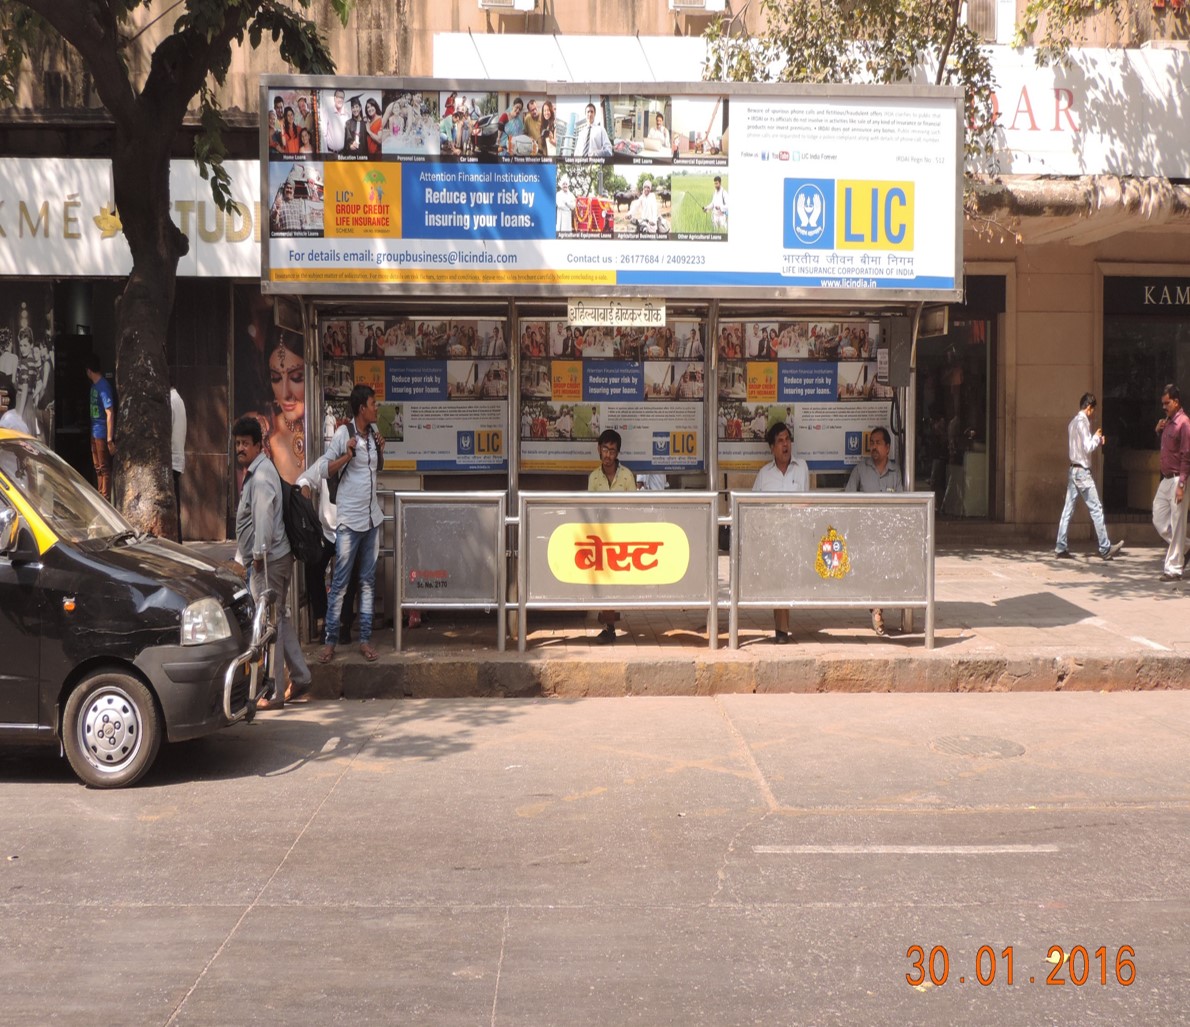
493, 676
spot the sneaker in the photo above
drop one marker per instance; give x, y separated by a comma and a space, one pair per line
1065, 554
1113, 550
606, 637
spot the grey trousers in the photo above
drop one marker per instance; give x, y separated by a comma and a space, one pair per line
276, 576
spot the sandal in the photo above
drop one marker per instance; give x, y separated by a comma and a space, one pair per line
297, 693
326, 654
369, 654
878, 621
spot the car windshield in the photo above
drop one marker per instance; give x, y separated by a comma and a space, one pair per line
59, 494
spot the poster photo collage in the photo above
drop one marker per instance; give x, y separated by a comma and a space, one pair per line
616, 167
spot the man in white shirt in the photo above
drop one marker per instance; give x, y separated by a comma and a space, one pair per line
717, 208
334, 125
566, 202
592, 140
1081, 443
177, 448
644, 212
781, 474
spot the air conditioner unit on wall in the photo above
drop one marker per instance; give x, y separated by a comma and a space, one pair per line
697, 6
507, 5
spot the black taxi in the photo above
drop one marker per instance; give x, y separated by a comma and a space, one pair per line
112, 640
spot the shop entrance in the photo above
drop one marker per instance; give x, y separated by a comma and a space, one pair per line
954, 398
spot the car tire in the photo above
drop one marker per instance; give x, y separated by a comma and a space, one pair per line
111, 729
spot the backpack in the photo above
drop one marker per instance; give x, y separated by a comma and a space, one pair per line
302, 526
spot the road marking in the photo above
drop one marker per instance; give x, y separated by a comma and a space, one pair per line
899, 850
1152, 645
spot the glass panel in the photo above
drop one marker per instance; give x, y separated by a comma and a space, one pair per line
953, 427
1140, 356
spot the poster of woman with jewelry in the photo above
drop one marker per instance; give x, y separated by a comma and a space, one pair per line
270, 380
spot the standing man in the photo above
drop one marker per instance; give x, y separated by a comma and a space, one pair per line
610, 476
1080, 444
260, 537
1169, 505
334, 124
357, 451
177, 447
103, 426
717, 208
592, 140
566, 203
781, 474
876, 473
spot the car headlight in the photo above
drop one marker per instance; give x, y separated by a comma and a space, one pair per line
204, 621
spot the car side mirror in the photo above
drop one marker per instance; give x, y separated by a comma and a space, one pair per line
10, 530
16, 541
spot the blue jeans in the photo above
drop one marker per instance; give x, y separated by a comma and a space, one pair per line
347, 543
1080, 483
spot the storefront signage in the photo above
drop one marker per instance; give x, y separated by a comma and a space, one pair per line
599, 311
58, 218
527, 189
1145, 294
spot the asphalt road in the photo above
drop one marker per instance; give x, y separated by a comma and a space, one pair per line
752, 859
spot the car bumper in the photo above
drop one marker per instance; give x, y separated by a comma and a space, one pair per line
203, 688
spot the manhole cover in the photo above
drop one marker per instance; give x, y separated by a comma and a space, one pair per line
981, 746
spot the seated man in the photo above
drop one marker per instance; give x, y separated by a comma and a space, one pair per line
610, 476
781, 474
644, 213
876, 473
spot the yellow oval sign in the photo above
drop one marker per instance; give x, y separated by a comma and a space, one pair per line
643, 553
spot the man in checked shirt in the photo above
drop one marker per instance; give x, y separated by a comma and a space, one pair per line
1081, 443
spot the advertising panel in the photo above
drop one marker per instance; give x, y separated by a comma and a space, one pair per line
524, 188
646, 383
817, 376
441, 386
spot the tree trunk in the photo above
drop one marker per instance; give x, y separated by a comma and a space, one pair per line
143, 482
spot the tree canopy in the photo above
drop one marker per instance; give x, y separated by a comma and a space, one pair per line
148, 109
877, 41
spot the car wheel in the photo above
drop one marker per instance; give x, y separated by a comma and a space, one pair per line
111, 729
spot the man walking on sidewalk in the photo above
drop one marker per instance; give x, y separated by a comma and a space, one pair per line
1169, 505
1080, 444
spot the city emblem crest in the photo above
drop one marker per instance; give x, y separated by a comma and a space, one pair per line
832, 561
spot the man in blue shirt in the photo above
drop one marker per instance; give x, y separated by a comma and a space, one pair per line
103, 432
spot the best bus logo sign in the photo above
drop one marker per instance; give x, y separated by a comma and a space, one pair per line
848, 214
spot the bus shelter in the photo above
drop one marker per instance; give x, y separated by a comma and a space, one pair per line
515, 267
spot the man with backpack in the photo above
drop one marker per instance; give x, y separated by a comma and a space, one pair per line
355, 455
261, 539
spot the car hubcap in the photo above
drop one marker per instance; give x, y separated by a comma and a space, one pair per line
110, 729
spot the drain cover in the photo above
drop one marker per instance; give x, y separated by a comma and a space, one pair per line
981, 746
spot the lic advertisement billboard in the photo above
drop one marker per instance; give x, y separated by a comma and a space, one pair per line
376, 186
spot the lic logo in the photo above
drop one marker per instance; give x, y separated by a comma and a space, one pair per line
660, 443
852, 441
808, 213
466, 443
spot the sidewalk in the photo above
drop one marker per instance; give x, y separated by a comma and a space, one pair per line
1007, 618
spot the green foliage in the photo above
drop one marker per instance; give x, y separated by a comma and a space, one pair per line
878, 41
1054, 26
186, 65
